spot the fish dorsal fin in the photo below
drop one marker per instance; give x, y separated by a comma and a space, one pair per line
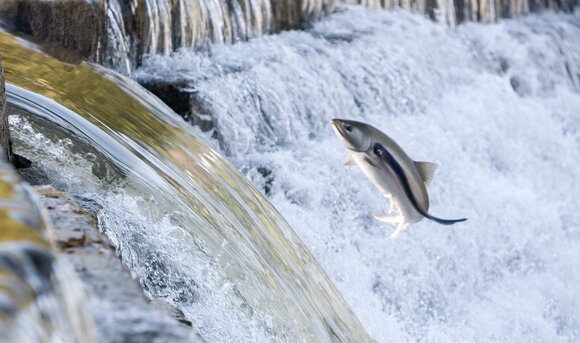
426, 170
349, 161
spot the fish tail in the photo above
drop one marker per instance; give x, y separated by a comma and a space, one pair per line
444, 221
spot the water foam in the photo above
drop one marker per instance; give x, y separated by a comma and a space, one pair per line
496, 105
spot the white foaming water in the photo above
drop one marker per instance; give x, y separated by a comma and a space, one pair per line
191, 227
143, 230
161, 26
497, 106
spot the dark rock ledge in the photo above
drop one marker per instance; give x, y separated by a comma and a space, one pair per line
121, 311
184, 101
75, 25
5, 151
5, 142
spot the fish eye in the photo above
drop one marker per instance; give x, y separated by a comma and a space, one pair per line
348, 128
379, 150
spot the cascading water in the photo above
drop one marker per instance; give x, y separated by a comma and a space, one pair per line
119, 33
161, 26
496, 105
190, 226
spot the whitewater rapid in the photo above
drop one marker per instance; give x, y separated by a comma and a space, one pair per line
497, 106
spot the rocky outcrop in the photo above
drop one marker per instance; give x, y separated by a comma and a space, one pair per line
121, 311
5, 142
5, 151
118, 33
183, 100
36, 288
34, 264
76, 25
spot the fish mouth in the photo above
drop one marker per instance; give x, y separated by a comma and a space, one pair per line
337, 125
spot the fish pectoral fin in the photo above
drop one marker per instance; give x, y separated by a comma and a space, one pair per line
426, 170
391, 203
389, 218
402, 226
349, 160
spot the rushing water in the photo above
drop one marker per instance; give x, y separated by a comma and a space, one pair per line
496, 105
118, 33
161, 26
134, 28
190, 226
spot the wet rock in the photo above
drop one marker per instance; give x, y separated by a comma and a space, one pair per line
29, 262
122, 312
184, 101
5, 142
172, 311
268, 178
75, 25
503, 65
19, 162
33, 281
118, 33
287, 13
5, 152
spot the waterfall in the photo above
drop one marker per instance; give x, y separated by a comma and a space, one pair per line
496, 105
119, 33
161, 26
192, 228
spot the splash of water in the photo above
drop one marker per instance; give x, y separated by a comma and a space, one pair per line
122, 32
190, 226
161, 26
496, 105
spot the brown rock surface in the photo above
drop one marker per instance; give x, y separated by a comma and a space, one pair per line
121, 311
33, 282
76, 25
5, 142
183, 101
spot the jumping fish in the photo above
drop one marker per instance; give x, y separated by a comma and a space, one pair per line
403, 181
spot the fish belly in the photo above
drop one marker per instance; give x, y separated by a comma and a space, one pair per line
388, 183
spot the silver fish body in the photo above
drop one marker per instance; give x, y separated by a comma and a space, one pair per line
391, 170
385, 179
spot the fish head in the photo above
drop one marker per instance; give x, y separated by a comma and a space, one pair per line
354, 135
